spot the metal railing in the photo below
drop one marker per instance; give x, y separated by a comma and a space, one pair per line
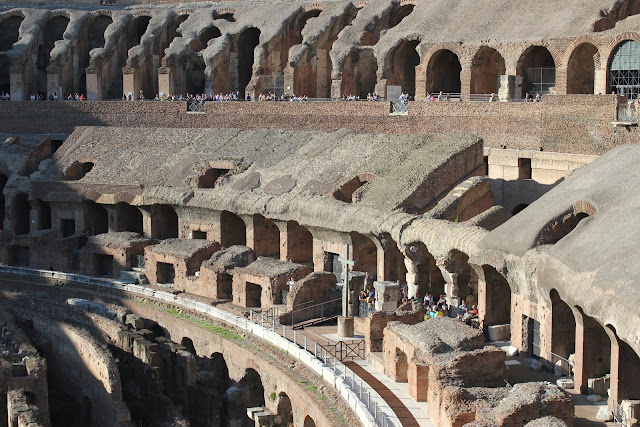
303, 312
618, 414
627, 113
399, 107
195, 106
565, 364
482, 97
364, 393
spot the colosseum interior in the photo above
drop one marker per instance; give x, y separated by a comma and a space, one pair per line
192, 193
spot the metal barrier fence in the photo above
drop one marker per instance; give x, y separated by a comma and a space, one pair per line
195, 106
565, 364
324, 310
399, 107
618, 414
627, 113
364, 394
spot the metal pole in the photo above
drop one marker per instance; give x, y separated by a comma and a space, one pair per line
273, 324
251, 316
305, 343
294, 337
315, 349
284, 331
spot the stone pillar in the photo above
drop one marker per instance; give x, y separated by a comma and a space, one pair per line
113, 218
336, 88
165, 80
76, 73
131, 81
616, 392
561, 81
421, 84
411, 277
600, 81
510, 87
386, 295
94, 83
465, 85
250, 230
155, 64
16, 81
289, 80
381, 87
233, 72
323, 90
146, 221
54, 80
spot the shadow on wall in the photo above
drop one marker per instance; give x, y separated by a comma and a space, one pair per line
512, 194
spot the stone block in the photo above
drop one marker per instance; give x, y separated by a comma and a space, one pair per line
499, 332
512, 351
565, 383
599, 385
536, 365
345, 326
386, 295
604, 414
594, 398
134, 320
632, 410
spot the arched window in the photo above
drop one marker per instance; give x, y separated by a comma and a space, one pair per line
624, 69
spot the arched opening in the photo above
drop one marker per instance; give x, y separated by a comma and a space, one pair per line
138, 28
486, 68
427, 276
538, 71
596, 353
128, 218
359, 75
399, 14
44, 215
247, 42
403, 62
349, 191
232, 230
9, 35
195, 75
465, 280
299, 243
624, 69
228, 16
394, 266
3, 182
284, 412
443, 72
20, 214
94, 39
496, 307
5, 75
629, 372
164, 222
560, 227
581, 69
251, 383
52, 31
10, 32
253, 295
401, 366
187, 343
77, 170
96, 217
365, 253
220, 371
308, 422
563, 327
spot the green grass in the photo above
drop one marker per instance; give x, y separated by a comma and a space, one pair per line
272, 396
218, 330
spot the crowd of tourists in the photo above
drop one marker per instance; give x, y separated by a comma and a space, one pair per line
4, 96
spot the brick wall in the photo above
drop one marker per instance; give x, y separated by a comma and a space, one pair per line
569, 123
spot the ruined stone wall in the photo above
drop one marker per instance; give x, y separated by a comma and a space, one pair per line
563, 123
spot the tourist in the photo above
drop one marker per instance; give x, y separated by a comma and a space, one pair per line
368, 282
492, 98
462, 309
291, 282
440, 96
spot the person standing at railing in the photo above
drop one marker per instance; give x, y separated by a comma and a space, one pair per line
291, 283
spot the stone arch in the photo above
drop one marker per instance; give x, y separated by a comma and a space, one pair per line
266, 237
494, 305
128, 218
443, 72
391, 266
593, 349
537, 66
299, 244
391, 18
10, 32
248, 40
486, 68
559, 227
284, 412
220, 370
308, 422
581, 69
164, 222
187, 343
233, 230
464, 280
359, 75
401, 367
96, 217
3, 182
43, 210
251, 383
20, 214
623, 69
92, 37
624, 371
402, 61
519, 208
52, 31
563, 327
365, 253
423, 275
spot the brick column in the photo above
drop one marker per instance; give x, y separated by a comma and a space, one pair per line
465, 85
131, 81
561, 81
94, 83
336, 88
510, 87
418, 377
600, 81
289, 80
17, 83
146, 221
